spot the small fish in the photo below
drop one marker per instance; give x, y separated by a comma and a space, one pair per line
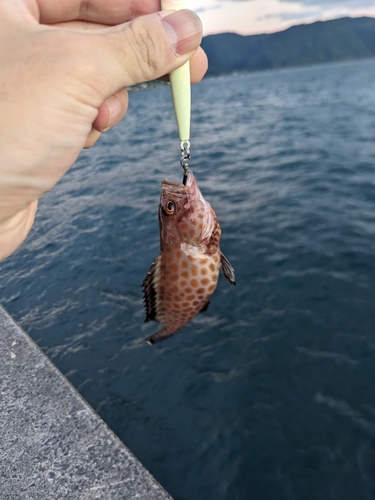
184, 275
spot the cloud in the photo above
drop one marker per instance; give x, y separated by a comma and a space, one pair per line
307, 11
267, 16
243, 1
325, 3
201, 10
334, 3
291, 16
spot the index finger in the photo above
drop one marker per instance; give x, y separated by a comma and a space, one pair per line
110, 12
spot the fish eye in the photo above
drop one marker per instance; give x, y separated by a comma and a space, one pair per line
169, 208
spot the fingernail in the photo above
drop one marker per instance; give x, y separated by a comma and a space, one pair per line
184, 30
114, 107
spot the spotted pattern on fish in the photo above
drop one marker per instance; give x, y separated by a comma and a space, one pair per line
184, 275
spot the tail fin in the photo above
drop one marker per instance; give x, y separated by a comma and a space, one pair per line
159, 336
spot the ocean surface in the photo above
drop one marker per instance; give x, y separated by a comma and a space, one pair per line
270, 394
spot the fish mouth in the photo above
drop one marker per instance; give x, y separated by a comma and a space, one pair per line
173, 189
172, 185
178, 187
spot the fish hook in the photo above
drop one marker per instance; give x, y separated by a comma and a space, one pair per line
185, 159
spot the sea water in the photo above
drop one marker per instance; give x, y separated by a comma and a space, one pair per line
270, 393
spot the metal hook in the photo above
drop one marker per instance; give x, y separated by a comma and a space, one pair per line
185, 159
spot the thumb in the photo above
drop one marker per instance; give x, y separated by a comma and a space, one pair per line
144, 49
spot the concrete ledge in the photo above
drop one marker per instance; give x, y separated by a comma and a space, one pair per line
52, 444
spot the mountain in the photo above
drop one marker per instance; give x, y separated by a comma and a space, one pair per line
319, 42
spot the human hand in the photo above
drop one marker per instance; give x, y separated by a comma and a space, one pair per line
64, 69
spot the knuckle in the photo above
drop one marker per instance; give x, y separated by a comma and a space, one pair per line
147, 51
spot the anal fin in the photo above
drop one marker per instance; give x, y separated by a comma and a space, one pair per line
205, 307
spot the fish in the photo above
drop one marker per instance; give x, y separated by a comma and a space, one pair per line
184, 275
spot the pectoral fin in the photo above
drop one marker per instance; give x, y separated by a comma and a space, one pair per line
227, 269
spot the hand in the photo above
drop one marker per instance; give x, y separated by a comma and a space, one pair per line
64, 69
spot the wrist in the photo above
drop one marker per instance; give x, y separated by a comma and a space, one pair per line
13, 231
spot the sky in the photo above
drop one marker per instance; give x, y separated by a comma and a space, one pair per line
248, 17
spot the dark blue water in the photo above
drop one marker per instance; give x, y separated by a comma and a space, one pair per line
270, 393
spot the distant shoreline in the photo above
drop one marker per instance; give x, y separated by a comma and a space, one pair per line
342, 39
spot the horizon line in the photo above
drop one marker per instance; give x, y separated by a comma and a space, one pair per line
288, 27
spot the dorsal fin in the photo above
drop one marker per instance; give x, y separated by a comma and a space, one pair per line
227, 269
150, 290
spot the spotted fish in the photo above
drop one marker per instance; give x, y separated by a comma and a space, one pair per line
184, 275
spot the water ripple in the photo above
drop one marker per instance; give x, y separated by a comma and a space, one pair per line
269, 394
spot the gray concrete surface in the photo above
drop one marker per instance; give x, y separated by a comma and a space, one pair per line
52, 444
